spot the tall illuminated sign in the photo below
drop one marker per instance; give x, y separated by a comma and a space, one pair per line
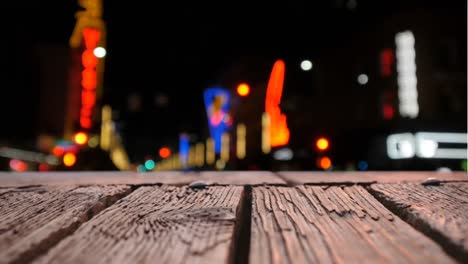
89, 76
406, 68
90, 29
217, 103
279, 132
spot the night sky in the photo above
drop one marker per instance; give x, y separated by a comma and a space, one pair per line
179, 49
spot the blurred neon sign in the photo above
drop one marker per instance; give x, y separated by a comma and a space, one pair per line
89, 17
217, 102
89, 76
184, 147
90, 29
386, 62
278, 127
427, 145
406, 68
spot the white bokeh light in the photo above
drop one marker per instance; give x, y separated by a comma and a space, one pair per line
407, 80
427, 148
100, 52
406, 148
306, 65
362, 79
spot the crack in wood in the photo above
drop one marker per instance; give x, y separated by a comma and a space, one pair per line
440, 212
167, 224
332, 224
33, 219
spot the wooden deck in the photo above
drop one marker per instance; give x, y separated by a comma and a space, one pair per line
234, 217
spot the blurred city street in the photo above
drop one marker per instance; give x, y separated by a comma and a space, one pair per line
330, 131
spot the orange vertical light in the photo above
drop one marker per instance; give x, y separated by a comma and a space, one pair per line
278, 126
86, 122
91, 37
88, 59
89, 79
88, 98
89, 76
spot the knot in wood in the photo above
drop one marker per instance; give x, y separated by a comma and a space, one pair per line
198, 185
431, 181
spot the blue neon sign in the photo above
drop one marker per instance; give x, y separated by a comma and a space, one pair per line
184, 146
217, 103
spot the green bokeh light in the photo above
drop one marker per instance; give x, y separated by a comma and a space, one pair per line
149, 164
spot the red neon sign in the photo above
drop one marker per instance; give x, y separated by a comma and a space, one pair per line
89, 76
278, 127
386, 62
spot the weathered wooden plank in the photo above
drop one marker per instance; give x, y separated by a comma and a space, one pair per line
33, 219
164, 224
316, 224
164, 177
10, 179
439, 211
367, 177
241, 177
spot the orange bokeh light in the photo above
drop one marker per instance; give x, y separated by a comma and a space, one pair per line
243, 89
58, 151
164, 152
80, 138
69, 159
324, 163
322, 143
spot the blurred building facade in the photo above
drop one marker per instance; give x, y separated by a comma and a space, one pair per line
351, 93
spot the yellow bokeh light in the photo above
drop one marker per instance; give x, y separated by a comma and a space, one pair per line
80, 138
69, 159
322, 143
243, 89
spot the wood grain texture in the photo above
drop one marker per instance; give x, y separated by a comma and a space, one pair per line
316, 224
35, 218
305, 177
439, 211
177, 178
13, 179
164, 224
241, 177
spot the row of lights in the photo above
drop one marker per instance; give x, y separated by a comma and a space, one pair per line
307, 65
66, 153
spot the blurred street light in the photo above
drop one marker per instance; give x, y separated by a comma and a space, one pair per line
322, 144
69, 159
100, 52
80, 138
243, 89
362, 79
306, 65
164, 152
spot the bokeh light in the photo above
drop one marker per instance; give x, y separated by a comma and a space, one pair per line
243, 89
